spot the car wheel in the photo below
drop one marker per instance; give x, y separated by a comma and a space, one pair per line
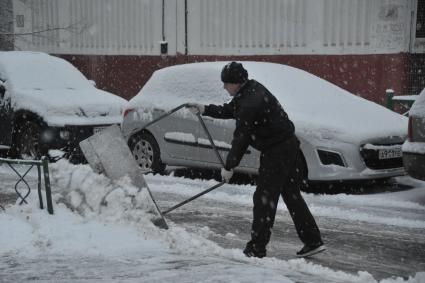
146, 151
28, 141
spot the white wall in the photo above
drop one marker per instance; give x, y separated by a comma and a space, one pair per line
217, 27
132, 27
299, 26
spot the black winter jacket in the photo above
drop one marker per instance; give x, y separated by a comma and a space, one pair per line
260, 120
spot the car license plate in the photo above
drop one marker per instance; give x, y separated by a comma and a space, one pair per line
98, 129
390, 153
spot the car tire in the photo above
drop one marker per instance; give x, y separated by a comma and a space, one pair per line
28, 141
146, 151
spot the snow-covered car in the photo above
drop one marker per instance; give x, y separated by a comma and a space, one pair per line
414, 146
46, 103
343, 136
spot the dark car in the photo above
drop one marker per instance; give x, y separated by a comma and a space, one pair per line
414, 147
46, 103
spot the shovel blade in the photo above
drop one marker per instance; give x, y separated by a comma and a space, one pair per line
108, 153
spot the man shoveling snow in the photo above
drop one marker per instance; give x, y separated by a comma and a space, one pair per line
262, 123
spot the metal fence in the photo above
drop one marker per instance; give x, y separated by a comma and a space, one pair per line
43, 173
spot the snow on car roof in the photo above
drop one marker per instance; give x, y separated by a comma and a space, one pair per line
309, 100
36, 70
56, 91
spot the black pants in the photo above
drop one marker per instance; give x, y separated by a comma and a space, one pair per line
278, 175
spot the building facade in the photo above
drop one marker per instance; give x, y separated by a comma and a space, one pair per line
6, 25
363, 46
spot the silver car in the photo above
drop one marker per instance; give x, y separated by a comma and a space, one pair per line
343, 136
414, 147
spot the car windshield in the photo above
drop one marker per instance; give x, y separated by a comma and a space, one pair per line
40, 71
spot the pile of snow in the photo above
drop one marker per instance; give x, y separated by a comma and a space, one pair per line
106, 221
90, 194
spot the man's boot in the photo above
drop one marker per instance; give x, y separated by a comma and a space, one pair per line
253, 250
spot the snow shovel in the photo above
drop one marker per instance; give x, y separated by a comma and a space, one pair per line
168, 113
107, 148
102, 157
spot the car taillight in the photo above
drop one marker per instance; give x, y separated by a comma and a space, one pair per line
410, 130
126, 111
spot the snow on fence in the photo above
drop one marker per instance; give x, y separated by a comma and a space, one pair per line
219, 27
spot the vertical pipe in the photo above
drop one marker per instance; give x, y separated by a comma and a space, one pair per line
163, 20
185, 28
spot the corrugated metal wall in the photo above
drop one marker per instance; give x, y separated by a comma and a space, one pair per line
92, 26
123, 26
350, 25
45, 18
246, 26
217, 27
251, 27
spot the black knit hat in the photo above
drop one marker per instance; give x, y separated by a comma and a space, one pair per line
234, 73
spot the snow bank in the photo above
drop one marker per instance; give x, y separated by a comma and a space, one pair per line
96, 217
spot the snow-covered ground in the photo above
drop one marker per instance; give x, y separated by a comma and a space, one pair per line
101, 232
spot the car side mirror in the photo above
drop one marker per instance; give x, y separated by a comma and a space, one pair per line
93, 83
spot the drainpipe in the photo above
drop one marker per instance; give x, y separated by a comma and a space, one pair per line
185, 28
413, 19
164, 43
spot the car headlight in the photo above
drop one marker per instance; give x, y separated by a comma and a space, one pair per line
47, 136
64, 134
330, 158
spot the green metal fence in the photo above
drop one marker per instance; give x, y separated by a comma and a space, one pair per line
43, 171
402, 103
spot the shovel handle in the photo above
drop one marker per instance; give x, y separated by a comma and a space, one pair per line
168, 113
194, 197
210, 139
212, 144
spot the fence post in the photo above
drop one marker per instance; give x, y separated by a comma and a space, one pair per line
49, 202
389, 93
40, 197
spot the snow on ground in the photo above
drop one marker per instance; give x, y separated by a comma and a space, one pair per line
353, 204
101, 232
